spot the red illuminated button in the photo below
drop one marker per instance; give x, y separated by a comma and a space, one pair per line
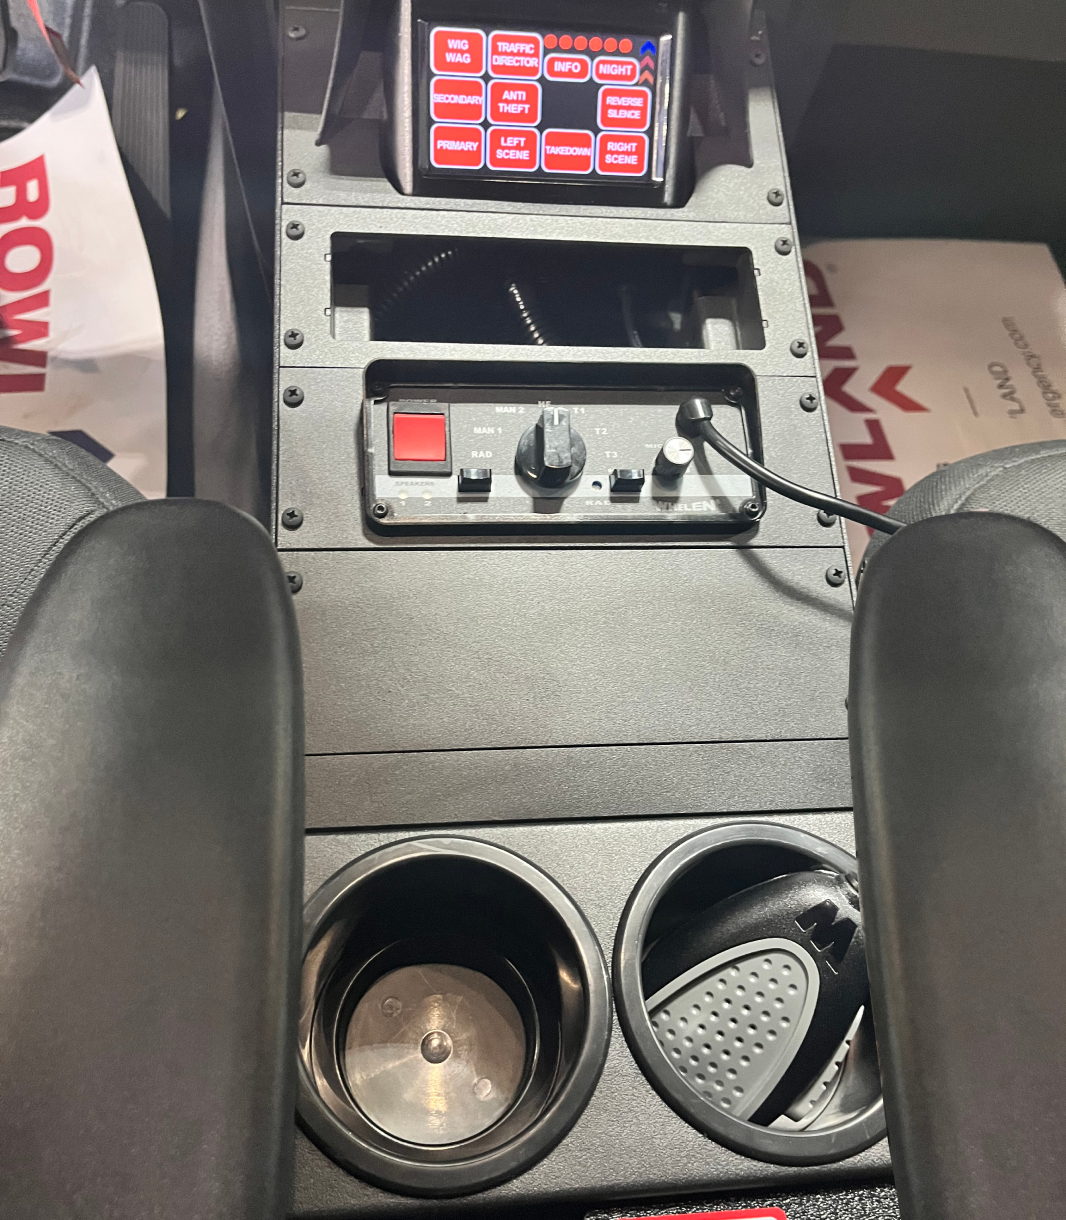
567, 152
457, 98
512, 54
513, 148
456, 147
419, 438
625, 109
609, 69
457, 51
514, 102
567, 67
622, 154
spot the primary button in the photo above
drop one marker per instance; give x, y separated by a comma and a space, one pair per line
458, 51
567, 67
625, 109
622, 154
513, 148
514, 54
457, 98
567, 152
456, 147
514, 102
614, 70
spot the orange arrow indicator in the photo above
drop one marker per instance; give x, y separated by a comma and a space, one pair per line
646, 75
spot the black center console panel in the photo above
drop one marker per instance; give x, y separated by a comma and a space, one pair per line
539, 618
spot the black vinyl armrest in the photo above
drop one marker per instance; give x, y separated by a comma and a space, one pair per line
958, 746
151, 788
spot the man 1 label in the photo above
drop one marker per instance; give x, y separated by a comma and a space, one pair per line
457, 99
457, 52
513, 148
513, 54
622, 154
453, 147
514, 102
567, 152
624, 109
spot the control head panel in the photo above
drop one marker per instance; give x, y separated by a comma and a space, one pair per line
526, 102
484, 456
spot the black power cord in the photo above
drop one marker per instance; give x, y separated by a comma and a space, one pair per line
695, 418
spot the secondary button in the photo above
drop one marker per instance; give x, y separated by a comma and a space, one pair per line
421, 437
622, 154
456, 147
567, 152
459, 52
513, 148
625, 109
475, 479
568, 67
457, 99
514, 102
608, 69
514, 54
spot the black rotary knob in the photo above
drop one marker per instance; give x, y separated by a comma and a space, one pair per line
551, 452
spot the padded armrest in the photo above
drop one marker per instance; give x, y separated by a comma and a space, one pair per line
151, 777
958, 746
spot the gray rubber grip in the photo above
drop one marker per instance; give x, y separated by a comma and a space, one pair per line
958, 744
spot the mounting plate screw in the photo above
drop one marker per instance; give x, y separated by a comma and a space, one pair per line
380, 510
825, 518
296, 582
295, 229
293, 396
296, 177
776, 196
294, 338
783, 245
735, 394
292, 518
750, 508
758, 58
799, 347
835, 575
296, 32
809, 402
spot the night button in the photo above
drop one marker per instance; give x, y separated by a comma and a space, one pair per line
419, 438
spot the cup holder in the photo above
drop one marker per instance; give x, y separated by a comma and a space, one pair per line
454, 1016
740, 981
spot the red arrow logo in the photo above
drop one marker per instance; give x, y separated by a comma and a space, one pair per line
647, 62
886, 387
835, 381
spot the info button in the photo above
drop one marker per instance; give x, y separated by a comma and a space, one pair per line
567, 67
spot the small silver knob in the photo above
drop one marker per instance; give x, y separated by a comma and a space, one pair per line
673, 458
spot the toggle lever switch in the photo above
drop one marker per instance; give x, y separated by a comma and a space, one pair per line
627, 482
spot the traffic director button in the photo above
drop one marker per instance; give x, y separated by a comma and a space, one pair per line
513, 148
455, 147
514, 102
625, 109
622, 154
459, 52
514, 54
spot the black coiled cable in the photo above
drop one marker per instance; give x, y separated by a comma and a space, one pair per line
411, 279
524, 299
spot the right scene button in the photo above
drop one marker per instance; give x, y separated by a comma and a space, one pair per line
622, 154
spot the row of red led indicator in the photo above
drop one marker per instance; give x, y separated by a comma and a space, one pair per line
520, 149
462, 52
457, 99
